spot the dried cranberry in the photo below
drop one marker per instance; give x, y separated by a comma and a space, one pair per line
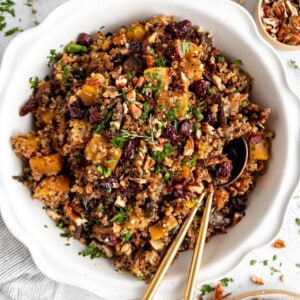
137, 47
178, 190
256, 138
131, 190
171, 53
76, 112
186, 127
84, 39
210, 70
180, 29
238, 204
183, 28
224, 169
207, 100
200, 87
171, 134
94, 116
129, 151
29, 106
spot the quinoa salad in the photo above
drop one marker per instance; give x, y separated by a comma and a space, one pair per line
129, 129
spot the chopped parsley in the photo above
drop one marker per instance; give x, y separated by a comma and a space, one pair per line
92, 250
220, 58
159, 62
126, 236
121, 217
65, 235
274, 257
297, 220
60, 224
211, 91
67, 78
197, 114
161, 155
225, 281
104, 171
189, 162
265, 262
146, 110
206, 288
293, 64
33, 81
2, 23
53, 57
150, 50
102, 209
297, 265
237, 62
252, 262
7, 7
118, 141
156, 89
76, 49
171, 114
12, 31
103, 123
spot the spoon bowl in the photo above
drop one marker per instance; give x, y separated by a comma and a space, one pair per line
237, 151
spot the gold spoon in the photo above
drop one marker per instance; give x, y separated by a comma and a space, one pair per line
236, 149
171, 252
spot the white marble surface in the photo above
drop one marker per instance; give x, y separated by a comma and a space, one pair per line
279, 268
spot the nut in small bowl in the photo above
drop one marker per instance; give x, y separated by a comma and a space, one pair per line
278, 22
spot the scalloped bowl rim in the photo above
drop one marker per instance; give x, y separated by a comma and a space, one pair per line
59, 262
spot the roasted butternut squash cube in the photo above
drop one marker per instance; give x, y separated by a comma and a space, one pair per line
46, 165
174, 101
47, 116
136, 33
162, 227
191, 63
221, 198
185, 172
52, 190
99, 151
259, 151
158, 75
88, 94
25, 145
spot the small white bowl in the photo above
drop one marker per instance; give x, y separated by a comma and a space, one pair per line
235, 33
276, 44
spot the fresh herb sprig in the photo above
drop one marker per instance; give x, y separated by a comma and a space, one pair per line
118, 141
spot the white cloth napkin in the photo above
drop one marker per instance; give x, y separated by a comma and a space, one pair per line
19, 277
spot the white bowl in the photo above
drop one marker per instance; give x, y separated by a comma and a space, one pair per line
236, 35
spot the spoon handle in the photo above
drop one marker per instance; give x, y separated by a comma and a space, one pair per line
198, 252
171, 253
